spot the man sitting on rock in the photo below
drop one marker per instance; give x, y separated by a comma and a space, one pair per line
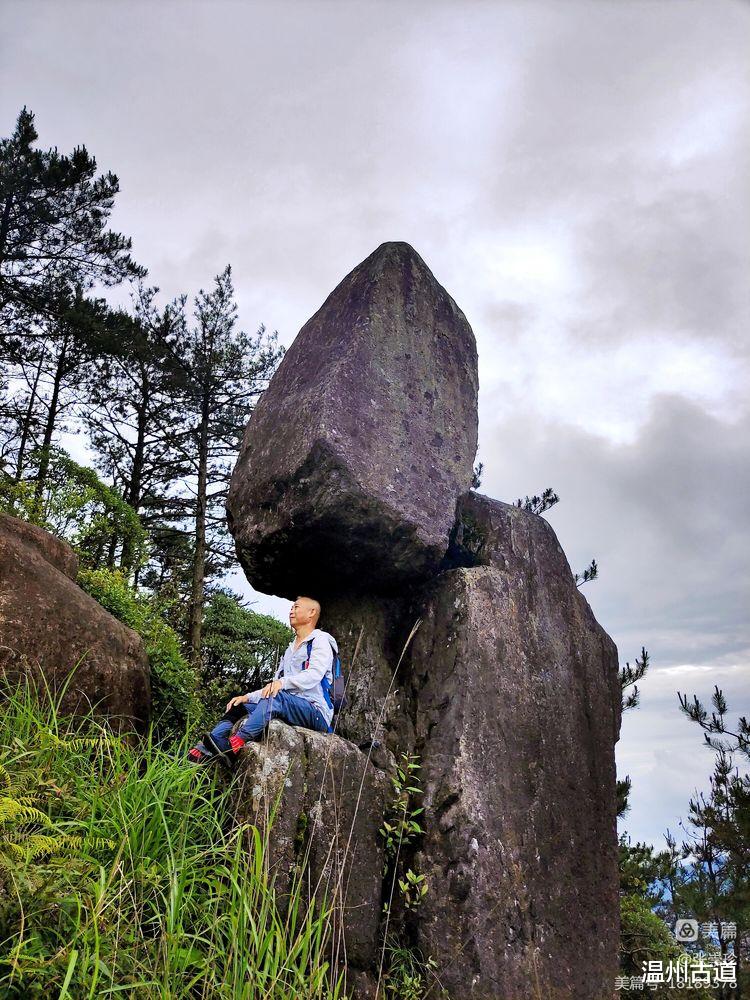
300, 693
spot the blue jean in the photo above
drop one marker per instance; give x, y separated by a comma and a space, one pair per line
287, 707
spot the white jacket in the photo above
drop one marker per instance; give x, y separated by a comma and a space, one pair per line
307, 683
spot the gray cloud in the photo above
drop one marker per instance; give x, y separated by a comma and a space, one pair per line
664, 515
575, 173
666, 518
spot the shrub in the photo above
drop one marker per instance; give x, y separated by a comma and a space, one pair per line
173, 682
78, 506
240, 649
645, 937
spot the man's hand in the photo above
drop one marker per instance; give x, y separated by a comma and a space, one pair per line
271, 689
239, 700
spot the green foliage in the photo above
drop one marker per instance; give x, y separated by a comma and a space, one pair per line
220, 372
168, 574
400, 826
16, 499
711, 867
27, 834
240, 648
133, 413
152, 894
738, 742
706, 878
77, 506
410, 976
413, 889
642, 872
537, 505
645, 937
629, 676
55, 213
590, 573
644, 934
173, 681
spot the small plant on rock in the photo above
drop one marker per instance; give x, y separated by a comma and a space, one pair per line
409, 975
413, 889
400, 826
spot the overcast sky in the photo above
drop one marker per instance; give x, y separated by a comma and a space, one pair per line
574, 173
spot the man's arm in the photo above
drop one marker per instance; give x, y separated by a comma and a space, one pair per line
258, 693
278, 674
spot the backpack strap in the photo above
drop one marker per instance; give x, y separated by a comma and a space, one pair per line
306, 664
325, 684
336, 665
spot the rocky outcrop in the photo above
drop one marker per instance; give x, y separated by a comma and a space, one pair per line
330, 808
517, 702
50, 627
53, 550
355, 456
508, 691
509, 694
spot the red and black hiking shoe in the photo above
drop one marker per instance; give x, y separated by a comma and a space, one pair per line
196, 756
236, 743
227, 757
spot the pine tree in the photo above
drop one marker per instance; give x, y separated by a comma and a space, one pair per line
49, 365
54, 212
21, 391
54, 247
223, 371
628, 678
132, 412
716, 886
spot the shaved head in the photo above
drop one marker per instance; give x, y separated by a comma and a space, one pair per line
308, 606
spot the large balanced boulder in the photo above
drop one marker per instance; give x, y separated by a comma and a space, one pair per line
355, 456
329, 802
50, 627
517, 711
464, 638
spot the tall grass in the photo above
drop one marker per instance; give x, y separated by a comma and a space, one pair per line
120, 874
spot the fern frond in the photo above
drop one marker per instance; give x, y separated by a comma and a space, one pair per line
39, 844
21, 810
46, 738
14, 853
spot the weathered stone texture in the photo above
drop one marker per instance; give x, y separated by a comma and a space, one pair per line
54, 550
49, 626
330, 810
351, 486
371, 633
517, 712
355, 456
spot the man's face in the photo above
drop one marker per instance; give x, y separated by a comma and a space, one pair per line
303, 612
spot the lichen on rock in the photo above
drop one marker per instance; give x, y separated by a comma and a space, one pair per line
322, 801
